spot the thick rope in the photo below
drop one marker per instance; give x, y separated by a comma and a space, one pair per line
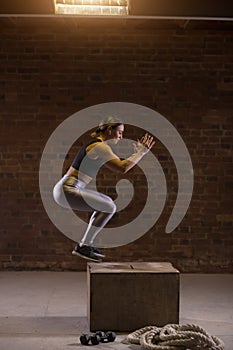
175, 337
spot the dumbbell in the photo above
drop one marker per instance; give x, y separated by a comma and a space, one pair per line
85, 339
106, 337
98, 337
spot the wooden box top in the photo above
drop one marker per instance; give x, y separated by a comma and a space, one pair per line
131, 267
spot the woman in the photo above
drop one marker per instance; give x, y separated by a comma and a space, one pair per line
71, 189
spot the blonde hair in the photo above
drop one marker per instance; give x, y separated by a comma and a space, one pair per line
103, 125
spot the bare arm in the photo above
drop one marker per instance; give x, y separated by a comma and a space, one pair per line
113, 162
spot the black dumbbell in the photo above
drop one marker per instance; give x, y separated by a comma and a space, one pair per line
98, 337
106, 337
86, 338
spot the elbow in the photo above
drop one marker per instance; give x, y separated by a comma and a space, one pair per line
125, 169
126, 166
122, 170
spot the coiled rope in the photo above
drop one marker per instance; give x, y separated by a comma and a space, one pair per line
175, 337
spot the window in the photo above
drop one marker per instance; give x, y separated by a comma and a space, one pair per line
92, 7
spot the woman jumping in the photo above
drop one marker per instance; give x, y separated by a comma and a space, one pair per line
87, 162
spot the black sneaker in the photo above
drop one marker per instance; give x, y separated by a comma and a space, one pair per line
97, 252
86, 252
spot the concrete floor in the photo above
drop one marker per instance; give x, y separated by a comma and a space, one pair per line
47, 310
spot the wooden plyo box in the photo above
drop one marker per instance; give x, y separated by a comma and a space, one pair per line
128, 296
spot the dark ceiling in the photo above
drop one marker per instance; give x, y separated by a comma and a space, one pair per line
183, 8
23, 7
186, 8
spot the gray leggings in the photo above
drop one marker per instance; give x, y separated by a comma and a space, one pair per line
70, 192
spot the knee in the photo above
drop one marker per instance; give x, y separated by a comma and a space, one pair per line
114, 208
111, 207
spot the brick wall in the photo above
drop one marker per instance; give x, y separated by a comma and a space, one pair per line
51, 68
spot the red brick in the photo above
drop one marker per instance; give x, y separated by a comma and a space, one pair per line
51, 68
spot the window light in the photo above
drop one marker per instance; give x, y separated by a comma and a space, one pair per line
92, 7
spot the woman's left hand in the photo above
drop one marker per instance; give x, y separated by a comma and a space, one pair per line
144, 144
